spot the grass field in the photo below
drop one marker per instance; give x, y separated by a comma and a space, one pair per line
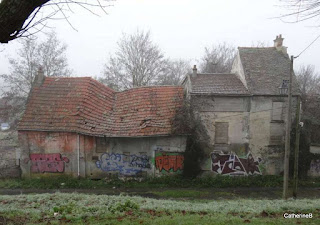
76, 208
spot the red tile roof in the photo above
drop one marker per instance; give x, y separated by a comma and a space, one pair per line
84, 105
216, 83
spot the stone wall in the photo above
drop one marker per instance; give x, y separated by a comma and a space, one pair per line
9, 161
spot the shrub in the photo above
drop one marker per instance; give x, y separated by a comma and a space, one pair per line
128, 205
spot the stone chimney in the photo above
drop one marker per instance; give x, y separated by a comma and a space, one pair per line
278, 44
39, 78
194, 71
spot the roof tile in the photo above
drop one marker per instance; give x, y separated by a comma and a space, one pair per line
86, 106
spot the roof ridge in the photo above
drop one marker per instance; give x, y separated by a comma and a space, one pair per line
216, 74
57, 77
102, 84
258, 47
150, 86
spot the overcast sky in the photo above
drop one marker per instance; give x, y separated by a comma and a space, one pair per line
181, 28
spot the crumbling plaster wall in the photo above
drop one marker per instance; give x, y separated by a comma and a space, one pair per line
44, 151
9, 160
263, 129
57, 153
232, 110
250, 127
148, 156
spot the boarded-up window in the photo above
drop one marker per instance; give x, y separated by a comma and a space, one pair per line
276, 133
277, 108
221, 133
101, 144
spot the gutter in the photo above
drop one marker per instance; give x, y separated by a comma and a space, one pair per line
222, 95
100, 135
78, 158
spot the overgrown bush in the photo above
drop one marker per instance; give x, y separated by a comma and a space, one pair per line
305, 156
192, 157
187, 122
128, 205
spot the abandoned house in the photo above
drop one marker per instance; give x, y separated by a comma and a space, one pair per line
244, 112
80, 127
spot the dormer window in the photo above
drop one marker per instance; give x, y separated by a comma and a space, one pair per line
283, 89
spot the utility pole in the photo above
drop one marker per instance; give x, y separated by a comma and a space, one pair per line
296, 150
287, 144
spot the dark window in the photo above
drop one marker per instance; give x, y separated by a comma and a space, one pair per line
101, 144
221, 133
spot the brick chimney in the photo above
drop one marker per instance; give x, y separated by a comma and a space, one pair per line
278, 44
39, 78
194, 71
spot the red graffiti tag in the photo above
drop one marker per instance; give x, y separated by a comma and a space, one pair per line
168, 162
52, 163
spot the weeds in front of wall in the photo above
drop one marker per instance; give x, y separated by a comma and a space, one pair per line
182, 194
65, 182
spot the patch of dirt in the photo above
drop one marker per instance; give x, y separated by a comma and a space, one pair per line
15, 220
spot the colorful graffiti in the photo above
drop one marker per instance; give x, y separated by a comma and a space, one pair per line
124, 164
169, 161
231, 164
50, 163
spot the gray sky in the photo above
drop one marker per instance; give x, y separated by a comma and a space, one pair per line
181, 28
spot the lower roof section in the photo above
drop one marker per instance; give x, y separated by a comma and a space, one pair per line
83, 105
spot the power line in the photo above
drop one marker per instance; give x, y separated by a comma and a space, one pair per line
308, 46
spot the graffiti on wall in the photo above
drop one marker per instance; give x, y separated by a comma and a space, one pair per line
50, 163
231, 164
169, 161
315, 166
124, 164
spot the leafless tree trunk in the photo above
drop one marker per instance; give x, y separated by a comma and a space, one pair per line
13, 15
18, 17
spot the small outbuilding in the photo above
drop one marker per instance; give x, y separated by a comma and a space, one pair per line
80, 127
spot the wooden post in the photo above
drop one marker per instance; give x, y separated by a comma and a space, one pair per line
287, 144
296, 150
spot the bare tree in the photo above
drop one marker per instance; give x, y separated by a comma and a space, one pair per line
218, 59
176, 70
25, 17
137, 62
49, 54
309, 80
301, 10
259, 44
